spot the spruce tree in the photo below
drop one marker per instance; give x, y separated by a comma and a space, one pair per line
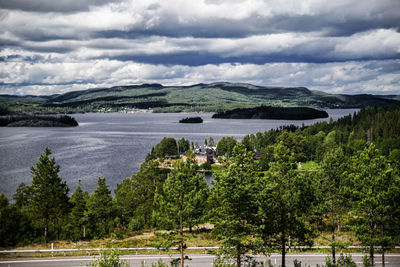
100, 209
50, 201
77, 214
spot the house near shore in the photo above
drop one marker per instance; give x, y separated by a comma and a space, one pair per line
206, 154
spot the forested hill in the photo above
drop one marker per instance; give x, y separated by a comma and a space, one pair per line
199, 97
272, 113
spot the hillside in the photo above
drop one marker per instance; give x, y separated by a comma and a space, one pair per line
272, 113
199, 97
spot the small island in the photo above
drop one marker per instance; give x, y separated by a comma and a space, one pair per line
191, 120
272, 113
37, 121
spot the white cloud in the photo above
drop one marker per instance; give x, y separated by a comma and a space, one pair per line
347, 77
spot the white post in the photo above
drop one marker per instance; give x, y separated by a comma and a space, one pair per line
52, 249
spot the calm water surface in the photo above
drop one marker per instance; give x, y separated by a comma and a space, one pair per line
112, 145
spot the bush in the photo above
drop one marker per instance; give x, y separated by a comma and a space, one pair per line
205, 166
136, 224
342, 261
108, 260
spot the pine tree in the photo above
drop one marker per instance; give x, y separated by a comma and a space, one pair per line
375, 194
100, 209
333, 200
50, 201
234, 204
182, 189
286, 198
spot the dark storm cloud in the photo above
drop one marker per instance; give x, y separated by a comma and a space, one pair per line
51, 5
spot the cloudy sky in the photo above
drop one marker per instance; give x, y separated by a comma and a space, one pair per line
341, 46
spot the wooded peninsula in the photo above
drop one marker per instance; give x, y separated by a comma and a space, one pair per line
272, 113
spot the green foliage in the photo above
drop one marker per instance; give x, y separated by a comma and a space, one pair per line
206, 166
202, 97
166, 148
233, 202
333, 200
342, 261
297, 263
108, 260
366, 261
50, 202
183, 145
375, 192
100, 209
77, 219
38, 120
22, 195
181, 200
211, 142
272, 113
134, 198
225, 145
286, 200
12, 221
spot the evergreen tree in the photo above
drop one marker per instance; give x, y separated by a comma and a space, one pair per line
77, 214
100, 209
225, 145
22, 196
286, 199
333, 199
183, 145
375, 192
50, 202
234, 205
166, 148
211, 142
182, 189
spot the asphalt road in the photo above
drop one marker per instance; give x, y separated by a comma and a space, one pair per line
198, 260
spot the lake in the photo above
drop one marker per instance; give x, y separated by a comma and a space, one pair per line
113, 145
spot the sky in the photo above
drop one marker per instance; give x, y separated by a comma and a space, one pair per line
341, 46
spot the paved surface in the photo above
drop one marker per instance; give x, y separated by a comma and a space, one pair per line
198, 260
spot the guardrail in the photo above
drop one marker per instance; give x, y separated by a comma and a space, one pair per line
52, 251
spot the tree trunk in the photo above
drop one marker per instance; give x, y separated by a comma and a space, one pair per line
181, 234
181, 228
371, 255
45, 232
333, 233
238, 258
283, 244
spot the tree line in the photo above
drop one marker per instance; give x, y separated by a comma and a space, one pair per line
260, 200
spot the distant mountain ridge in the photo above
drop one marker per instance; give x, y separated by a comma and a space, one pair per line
198, 97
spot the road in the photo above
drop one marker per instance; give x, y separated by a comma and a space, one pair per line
198, 260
